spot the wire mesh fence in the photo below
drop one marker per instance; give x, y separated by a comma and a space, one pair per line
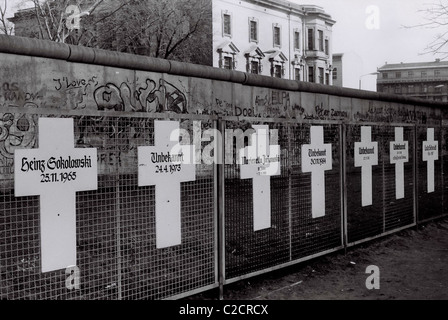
117, 256
389, 183
294, 233
430, 202
116, 249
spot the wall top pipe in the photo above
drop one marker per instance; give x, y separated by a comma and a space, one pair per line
71, 53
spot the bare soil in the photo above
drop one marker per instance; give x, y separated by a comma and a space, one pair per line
413, 265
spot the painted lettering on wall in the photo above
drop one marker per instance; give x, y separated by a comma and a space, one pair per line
16, 131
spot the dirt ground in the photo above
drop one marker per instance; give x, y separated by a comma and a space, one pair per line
413, 265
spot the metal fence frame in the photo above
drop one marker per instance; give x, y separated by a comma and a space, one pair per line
75, 54
220, 277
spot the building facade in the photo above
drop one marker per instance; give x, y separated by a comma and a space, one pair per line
273, 38
347, 68
425, 80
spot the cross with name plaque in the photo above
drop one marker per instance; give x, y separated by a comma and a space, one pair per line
399, 154
166, 165
430, 154
56, 171
366, 156
259, 162
317, 158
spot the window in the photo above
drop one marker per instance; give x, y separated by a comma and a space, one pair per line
310, 39
311, 74
297, 74
296, 40
321, 40
423, 73
335, 73
397, 89
228, 63
253, 30
398, 74
277, 36
227, 24
254, 66
327, 78
411, 89
410, 74
385, 75
321, 75
327, 47
437, 73
278, 71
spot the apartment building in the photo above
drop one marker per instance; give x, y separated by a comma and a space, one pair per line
274, 38
426, 80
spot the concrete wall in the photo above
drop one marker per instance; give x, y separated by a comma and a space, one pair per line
40, 75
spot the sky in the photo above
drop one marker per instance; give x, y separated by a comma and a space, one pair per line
382, 40
374, 30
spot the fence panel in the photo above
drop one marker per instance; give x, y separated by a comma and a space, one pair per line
149, 272
311, 235
116, 250
20, 242
376, 204
294, 232
248, 250
364, 220
398, 194
430, 201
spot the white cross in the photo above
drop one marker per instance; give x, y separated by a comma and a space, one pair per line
366, 156
399, 154
259, 162
430, 154
317, 158
166, 165
56, 171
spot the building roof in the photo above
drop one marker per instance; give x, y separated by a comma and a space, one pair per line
301, 9
414, 65
273, 54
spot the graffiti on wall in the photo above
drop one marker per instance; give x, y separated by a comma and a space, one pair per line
153, 94
16, 131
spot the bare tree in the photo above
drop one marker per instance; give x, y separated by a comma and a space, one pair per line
174, 29
170, 29
61, 20
5, 26
435, 17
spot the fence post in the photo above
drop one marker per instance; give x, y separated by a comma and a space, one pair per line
220, 178
118, 218
289, 170
343, 168
415, 173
